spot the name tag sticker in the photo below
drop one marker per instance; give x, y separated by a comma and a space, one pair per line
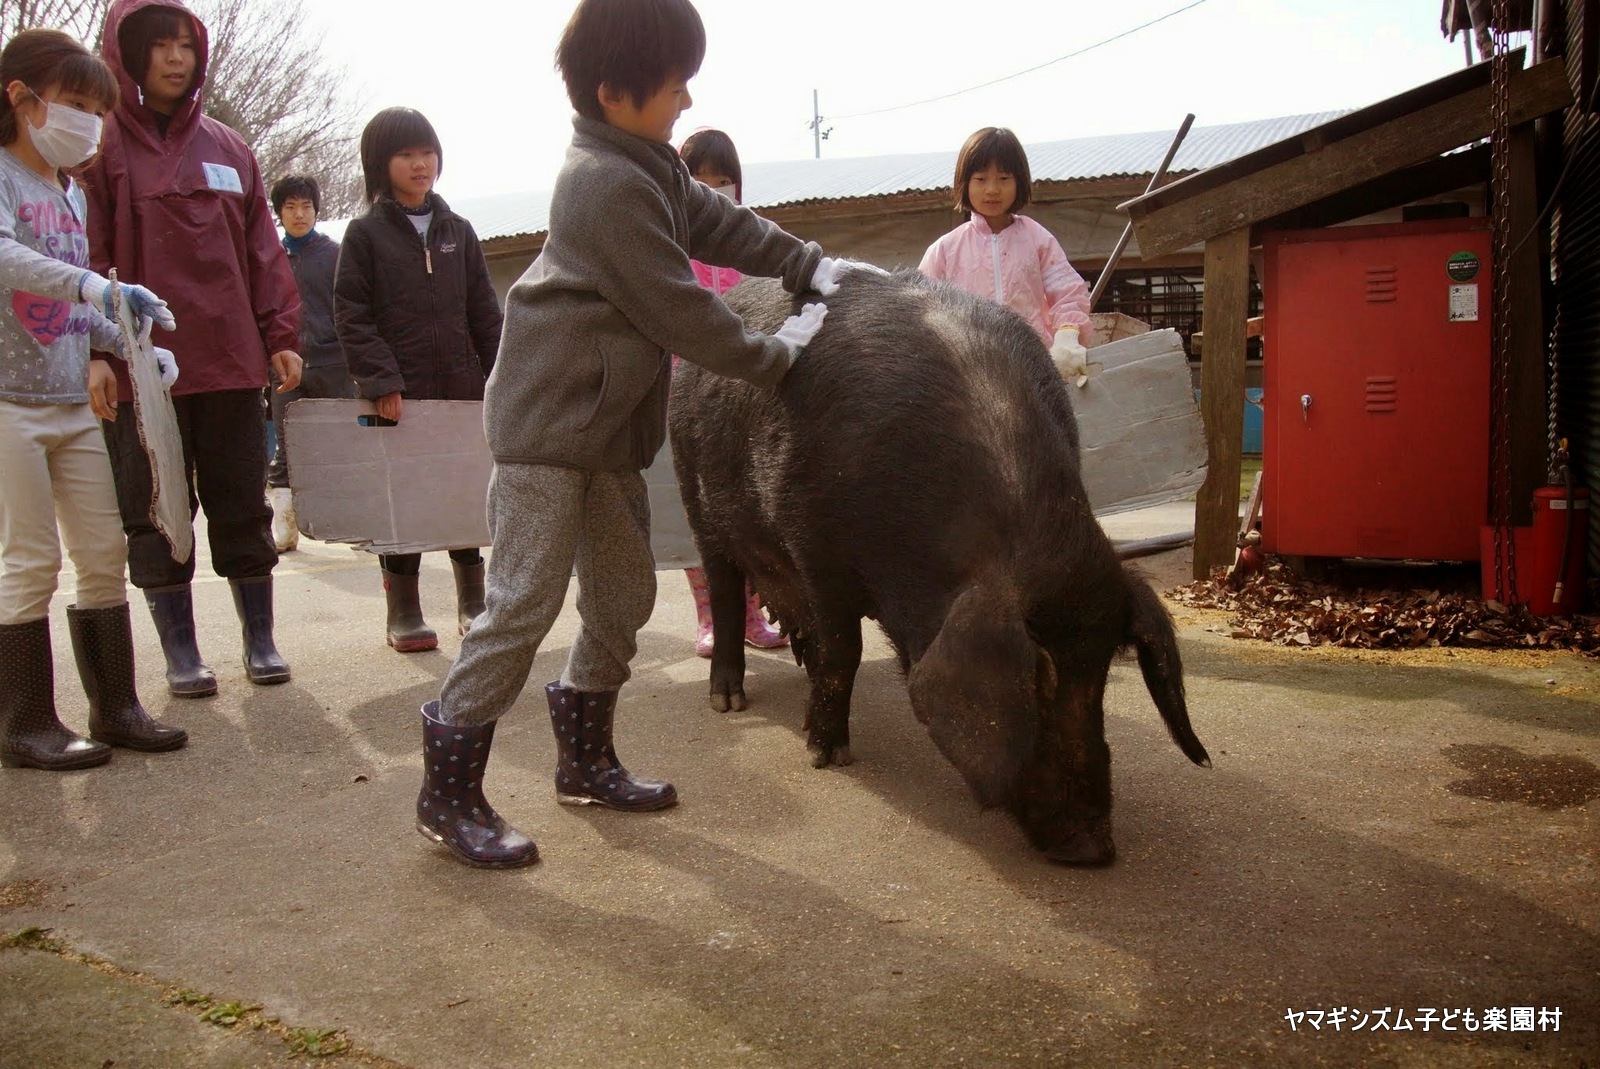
222, 177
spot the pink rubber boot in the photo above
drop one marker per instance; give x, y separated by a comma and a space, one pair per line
702, 610
758, 632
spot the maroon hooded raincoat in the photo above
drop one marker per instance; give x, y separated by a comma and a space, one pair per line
187, 216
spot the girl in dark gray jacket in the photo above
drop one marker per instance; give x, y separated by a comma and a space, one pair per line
417, 317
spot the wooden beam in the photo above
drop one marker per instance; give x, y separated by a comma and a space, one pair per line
1226, 308
1442, 174
1362, 157
1525, 394
1374, 115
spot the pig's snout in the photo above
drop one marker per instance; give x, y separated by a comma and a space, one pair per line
1084, 843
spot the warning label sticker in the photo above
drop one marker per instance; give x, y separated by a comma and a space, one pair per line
1463, 266
1464, 304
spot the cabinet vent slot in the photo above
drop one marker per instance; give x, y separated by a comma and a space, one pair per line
1383, 393
1383, 285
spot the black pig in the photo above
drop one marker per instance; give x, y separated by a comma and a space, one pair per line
919, 466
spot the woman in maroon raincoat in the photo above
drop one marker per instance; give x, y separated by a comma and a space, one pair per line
176, 203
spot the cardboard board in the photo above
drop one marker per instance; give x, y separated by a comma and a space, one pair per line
1140, 431
423, 484
158, 433
419, 485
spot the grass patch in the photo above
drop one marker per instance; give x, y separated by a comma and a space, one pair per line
227, 1014
1249, 467
316, 1042
33, 939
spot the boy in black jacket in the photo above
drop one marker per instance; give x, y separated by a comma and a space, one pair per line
576, 409
314, 257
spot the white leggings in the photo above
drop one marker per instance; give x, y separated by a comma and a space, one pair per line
53, 466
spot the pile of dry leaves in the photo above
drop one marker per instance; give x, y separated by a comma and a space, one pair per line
1280, 606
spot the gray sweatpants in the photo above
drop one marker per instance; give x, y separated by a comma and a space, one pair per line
543, 521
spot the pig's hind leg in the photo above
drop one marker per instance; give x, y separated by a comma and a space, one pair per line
832, 654
727, 631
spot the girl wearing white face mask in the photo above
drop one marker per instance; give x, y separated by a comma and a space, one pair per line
713, 161
53, 463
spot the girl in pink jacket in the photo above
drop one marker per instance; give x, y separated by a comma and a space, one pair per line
713, 161
1008, 257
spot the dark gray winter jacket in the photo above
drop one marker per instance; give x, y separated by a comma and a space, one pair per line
581, 379
314, 267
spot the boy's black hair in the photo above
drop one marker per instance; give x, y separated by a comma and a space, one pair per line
387, 133
712, 150
992, 144
141, 30
296, 185
634, 46
46, 59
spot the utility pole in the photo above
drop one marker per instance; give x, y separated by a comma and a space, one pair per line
818, 134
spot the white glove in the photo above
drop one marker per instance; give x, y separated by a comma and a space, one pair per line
798, 330
1071, 359
825, 280
96, 290
168, 363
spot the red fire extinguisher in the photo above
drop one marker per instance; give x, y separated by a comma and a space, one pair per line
1557, 546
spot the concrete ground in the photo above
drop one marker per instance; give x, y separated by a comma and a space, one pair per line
1412, 834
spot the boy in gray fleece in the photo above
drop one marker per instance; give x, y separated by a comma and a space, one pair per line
575, 410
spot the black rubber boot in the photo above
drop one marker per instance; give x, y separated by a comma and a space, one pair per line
102, 644
587, 769
172, 609
469, 594
253, 599
31, 735
406, 630
452, 809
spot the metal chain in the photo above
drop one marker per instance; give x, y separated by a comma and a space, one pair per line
1505, 552
1552, 441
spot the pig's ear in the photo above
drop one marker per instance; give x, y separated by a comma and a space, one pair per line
977, 689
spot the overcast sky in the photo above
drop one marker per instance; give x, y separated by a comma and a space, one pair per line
482, 70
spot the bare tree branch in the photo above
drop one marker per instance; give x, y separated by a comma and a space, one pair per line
81, 18
266, 78
269, 81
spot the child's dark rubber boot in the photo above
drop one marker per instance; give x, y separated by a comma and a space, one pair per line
587, 769
406, 630
31, 735
469, 594
262, 662
102, 645
172, 609
451, 808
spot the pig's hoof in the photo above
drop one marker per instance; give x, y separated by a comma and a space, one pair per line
823, 756
1084, 848
723, 701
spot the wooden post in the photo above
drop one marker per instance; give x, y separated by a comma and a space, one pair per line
1227, 306
1526, 392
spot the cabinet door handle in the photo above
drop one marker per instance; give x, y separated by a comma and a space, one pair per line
1305, 408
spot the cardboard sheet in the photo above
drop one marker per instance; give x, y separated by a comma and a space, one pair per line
423, 484
1140, 431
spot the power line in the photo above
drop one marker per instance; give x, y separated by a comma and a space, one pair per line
1030, 70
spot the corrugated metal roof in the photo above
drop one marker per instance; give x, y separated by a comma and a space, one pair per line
770, 185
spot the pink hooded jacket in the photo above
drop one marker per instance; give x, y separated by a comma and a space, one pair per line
1022, 267
718, 280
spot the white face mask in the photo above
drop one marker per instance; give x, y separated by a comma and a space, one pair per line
68, 136
726, 191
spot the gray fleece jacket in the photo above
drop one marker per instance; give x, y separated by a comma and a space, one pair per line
584, 365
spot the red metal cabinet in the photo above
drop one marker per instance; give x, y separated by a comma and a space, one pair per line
1376, 373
